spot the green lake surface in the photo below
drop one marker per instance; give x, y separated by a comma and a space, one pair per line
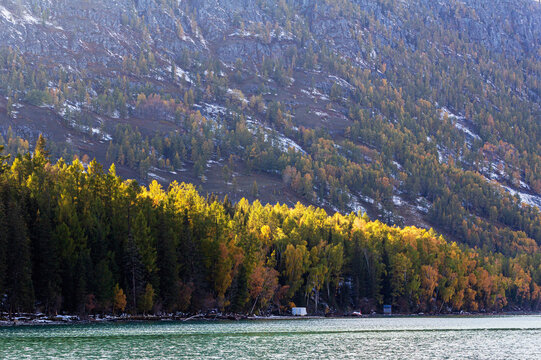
505, 337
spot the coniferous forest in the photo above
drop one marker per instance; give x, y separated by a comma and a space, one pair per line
77, 238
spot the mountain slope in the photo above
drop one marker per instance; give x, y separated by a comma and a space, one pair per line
418, 112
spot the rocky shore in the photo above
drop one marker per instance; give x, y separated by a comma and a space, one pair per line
42, 319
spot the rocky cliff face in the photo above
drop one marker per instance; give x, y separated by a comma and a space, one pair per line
78, 33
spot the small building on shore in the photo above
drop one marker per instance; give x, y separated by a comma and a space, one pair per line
298, 311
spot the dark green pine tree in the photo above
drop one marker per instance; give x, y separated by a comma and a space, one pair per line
241, 294
75, 264
62, 237
134, 269
187, 254
20, 289
167, 264
3, 242
83, 267
104, 283
3, 224
190, 260
46, 273
146, 247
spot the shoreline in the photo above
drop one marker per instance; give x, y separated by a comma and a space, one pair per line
42, 320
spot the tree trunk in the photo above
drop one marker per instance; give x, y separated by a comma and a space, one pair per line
328, 291
441, 307
133, 287
253, 306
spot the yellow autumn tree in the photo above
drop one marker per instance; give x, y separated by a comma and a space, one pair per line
119, 300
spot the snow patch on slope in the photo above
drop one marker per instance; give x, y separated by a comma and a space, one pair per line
284, 142
25, 18
214, 110
532, 200
157, 177
458, 121
6, 14
182, 74
342, 82
355, 205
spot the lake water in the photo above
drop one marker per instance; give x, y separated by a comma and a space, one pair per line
509, 337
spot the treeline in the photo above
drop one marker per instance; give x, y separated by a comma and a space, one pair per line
83, 240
